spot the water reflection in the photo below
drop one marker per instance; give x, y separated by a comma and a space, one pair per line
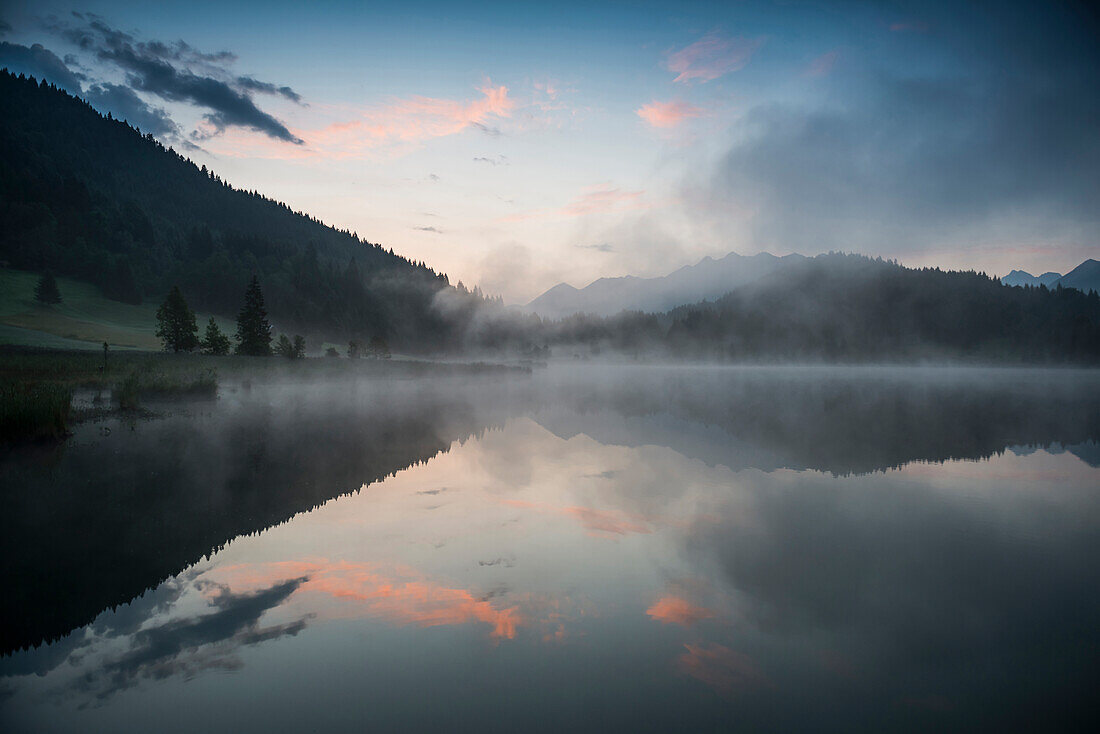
648, 554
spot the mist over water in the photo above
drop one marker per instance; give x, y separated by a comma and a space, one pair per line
592, 548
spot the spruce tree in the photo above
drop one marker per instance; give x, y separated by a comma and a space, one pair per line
253, 329
176, 323
283, 347
214, 341
46, 291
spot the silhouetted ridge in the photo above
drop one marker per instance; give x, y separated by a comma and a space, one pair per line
93, 198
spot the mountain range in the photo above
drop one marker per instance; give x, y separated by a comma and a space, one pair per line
1085, 277
710, 279
706, 280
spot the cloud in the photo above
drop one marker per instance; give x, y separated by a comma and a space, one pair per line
189, 645
667, 114
601, 247
823, 64
676, 610
149, 67
229, 107
1001, 153
599, 199
434, 230
597, 522
403, 599
498, 160
506, 562
252, 85
124, 104
41, 63
410, 121
727, 671
710, 57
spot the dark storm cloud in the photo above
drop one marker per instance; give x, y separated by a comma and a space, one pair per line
41, 63
252, 85
1009, 127
230, 107
163, 69
124, 104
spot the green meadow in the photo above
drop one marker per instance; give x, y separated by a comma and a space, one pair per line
83, 320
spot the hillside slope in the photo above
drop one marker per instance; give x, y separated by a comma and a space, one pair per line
1085, 277
94, 199
83, 320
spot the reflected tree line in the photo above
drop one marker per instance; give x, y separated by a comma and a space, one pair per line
839, 422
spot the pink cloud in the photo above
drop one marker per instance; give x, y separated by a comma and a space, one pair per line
712, 56
410, 120
405, 599
599, 199
823, 64
667, 114
675, 610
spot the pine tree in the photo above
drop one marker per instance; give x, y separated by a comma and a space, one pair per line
214, 341
176, 323
253, 329
283, 347
46, 291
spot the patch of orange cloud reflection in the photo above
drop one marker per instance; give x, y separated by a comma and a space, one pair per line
674, 610
374, 593
727, 671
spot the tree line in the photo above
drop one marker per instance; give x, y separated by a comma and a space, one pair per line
178, 331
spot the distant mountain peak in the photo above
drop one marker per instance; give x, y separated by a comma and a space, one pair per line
707, 279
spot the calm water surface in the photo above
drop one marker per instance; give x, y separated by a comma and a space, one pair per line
592, 549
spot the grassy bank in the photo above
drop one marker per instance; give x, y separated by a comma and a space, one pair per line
83, 320
34, 411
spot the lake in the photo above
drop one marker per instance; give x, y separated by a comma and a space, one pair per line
586, 549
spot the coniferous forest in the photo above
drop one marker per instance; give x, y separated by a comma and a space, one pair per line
93, 198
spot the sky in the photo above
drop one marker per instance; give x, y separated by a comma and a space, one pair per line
516, 146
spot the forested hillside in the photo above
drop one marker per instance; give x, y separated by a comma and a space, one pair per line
93, 198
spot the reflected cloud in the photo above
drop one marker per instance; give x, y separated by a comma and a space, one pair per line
675, 610
599, 522
190, 645
410, 600
727, 671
